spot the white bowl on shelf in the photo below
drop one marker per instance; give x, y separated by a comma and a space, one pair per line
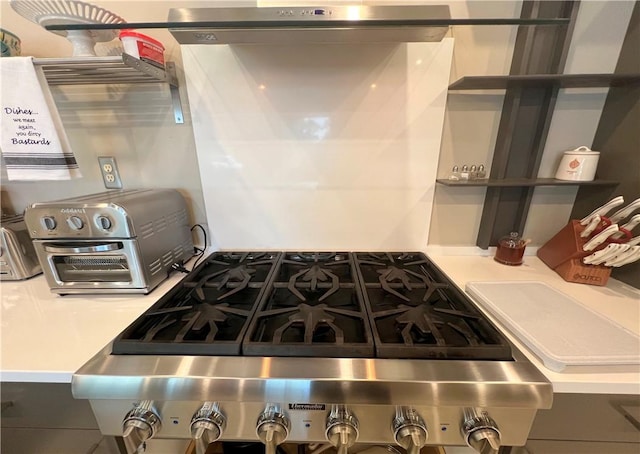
71, 12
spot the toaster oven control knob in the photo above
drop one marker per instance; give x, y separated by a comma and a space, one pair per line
139, 425
75, 223
410, 430
207, 425
272, 428
104, 222
342, 428
49, 222
482, 434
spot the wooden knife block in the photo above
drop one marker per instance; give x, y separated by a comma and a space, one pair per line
563, 253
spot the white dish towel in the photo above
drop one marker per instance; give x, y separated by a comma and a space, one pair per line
32, 139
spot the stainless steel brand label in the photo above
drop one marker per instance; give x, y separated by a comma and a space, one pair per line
205, 37
72, 210
307, 407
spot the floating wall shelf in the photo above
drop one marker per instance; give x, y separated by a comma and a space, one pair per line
523, 182
544, 80
123, 69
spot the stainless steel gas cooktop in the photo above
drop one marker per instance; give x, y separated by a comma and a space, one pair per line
340, 347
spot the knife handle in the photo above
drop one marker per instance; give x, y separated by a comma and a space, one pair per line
621, 236
591, 226
605, 222
600, 238
634, 241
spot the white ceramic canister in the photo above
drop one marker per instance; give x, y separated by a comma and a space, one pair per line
578, 165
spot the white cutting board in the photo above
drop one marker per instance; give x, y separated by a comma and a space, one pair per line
556, 327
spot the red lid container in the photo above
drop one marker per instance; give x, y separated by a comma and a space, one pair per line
143, 47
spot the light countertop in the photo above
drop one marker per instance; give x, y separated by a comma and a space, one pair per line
47, 337
616, 301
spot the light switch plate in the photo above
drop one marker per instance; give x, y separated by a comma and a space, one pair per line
109, 171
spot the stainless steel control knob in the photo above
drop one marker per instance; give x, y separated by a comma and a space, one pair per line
104, 222
75, 223
482, 434
139, 425
342, 428
49, 222
272, 428
207, 425
410, 430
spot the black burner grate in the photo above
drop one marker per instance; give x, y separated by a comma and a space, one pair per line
314, 308
388, 305
416, 313
208, 313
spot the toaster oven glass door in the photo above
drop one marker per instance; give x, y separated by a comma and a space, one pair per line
107, 268
89, 262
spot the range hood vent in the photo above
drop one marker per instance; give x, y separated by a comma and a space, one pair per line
334, 24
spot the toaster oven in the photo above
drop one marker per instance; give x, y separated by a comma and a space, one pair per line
111, 242
18, 258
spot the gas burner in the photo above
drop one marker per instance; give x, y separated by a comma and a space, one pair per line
424, 321
208, 316
390, 276
315, 257
432, 285
241, 256
310, 317
235, 278
311, 276
383, 258
416, 317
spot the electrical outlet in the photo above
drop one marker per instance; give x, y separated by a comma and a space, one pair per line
109, 171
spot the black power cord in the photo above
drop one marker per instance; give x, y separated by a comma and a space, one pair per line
197, 250
178, 266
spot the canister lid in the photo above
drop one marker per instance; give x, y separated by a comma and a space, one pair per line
582, 151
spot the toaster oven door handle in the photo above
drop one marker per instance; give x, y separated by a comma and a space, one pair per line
83, 249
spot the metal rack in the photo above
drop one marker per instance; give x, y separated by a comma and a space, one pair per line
123, 69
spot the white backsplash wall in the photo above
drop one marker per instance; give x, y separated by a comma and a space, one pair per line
318, 147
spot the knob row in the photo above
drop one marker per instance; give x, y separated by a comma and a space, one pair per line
208, 423
76, 223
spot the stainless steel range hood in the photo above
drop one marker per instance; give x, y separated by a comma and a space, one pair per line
309, 24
